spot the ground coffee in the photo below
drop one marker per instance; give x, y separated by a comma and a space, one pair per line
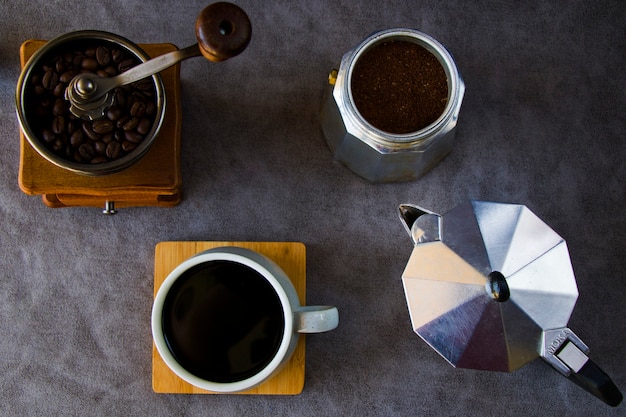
399, 87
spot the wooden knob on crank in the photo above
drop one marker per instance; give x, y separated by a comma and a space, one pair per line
223, 30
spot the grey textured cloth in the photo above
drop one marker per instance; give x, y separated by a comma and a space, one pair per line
542, 124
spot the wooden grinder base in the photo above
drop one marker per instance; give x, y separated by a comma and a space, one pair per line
155, 180
290, 256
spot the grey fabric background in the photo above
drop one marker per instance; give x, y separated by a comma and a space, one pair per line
542, 124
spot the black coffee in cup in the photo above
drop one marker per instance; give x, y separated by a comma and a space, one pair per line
223, 321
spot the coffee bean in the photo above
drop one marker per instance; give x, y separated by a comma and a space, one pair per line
144, 126
120, 97
114, 113
48, 135
117, 55
39, 90
86, 151
122, 121
59, 66
98, 160
103, 55
126, 65
72, 126
110, 70
57, 145
67, 76
133, 136
151, 109
144, 85
60, 107
138, 109
90, 51
50, 80
100, 147
102, 126
77, 60
77, 138
89, 64
89, 131
58, 124
113, 150
128, 146
130, 124
59, 90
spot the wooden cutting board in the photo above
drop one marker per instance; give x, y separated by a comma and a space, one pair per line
290, 256
155, 180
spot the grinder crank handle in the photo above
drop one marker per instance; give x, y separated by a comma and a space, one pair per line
562, 349
223, 30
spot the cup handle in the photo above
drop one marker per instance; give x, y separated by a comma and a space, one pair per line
315, 319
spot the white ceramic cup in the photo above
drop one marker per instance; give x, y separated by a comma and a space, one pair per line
297, 319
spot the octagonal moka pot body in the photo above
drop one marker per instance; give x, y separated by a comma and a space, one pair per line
372, 153
490, 286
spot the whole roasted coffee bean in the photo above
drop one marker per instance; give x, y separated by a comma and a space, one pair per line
100, 147
122, 120
138, 109
103, 55
67, 76
143, 85
114, 113
77, 138
89, 131
133, 136
87, 152
151, 109
103, 126
60, 107
77, 60
89, 64
72, 125
110, 70
58, 124
50, 80
130, 124
128, 146
59, 66
98, 160
59, 90
113, 150
126, 65
57, 144
120, 97
117, 55
144, 126
48, 135
90, 51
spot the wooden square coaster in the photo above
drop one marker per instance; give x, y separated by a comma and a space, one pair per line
155, 180
290, 256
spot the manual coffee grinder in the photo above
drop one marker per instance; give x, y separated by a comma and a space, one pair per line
72, 159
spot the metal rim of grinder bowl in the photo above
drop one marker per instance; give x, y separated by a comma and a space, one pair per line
65, 43
377, 155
